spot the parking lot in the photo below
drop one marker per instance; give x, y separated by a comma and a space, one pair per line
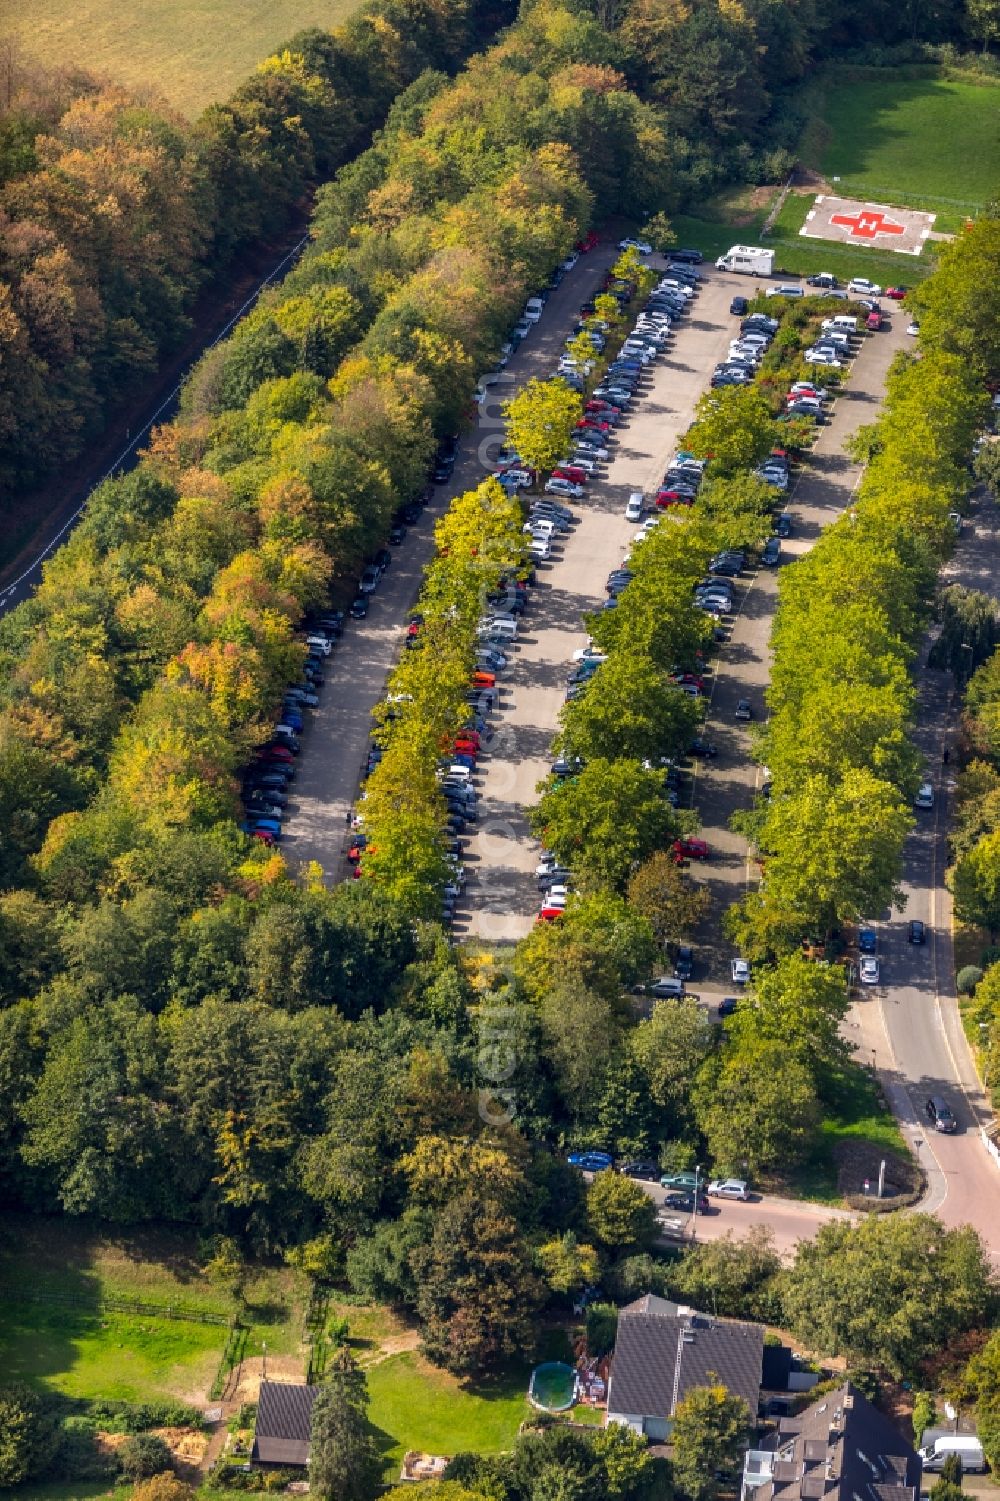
501, 897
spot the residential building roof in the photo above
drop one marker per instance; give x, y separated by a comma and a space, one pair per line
840, 1448
663, 1350
284, 1420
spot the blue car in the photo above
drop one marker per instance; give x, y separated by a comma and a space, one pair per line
591, 1162
263, 826
867, 940
292, 717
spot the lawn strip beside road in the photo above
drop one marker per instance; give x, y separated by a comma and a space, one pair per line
336, 743
501, 899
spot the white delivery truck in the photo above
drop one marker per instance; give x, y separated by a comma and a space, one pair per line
752, 260
965, 1445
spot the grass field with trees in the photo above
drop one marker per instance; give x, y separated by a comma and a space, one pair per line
190, 52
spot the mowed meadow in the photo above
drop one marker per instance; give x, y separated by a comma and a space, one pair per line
193, 51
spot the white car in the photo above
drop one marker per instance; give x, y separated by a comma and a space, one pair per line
523, 479
913, 329
321, 644
863, 287
740, 971
589, 654
823, 357
533, 309
925, 796
563, 487
539, 549
590, 451
570, 261
635, 506
643, 246
727, 1188
868, 970
587, 465
810, 389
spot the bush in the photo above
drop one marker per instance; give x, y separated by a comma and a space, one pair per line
143, 1456
967, 979
988, 958
137, 1417
28, 1429
164, 1487
602, 1328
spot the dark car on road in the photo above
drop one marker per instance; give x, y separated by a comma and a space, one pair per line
916, 932
703, 749
939, 1114
685, 1202
739, 306
359, 609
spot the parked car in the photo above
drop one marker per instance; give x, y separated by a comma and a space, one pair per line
740, 971
744, 709
591, 1162
868, 969
728, 1188
686, 1202
739, 306
643, 1172
691, 849
916, 932
684, 962
684, 1182
867, 940
771, 553
925, 796
862, 287
642, 246
896, 294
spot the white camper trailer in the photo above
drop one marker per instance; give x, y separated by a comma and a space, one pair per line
752, 260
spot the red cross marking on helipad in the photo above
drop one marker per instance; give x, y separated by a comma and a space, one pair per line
867, 223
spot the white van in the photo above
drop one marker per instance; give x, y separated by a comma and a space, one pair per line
842, 321
925, 796
751, 260
965, 1445
635, 506
534, 308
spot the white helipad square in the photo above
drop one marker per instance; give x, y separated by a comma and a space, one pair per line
851, 222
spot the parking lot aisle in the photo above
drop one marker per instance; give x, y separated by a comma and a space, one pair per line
822, 490
336, 742
501, 897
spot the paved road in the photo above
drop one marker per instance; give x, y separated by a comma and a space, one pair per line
912, 1025
502, 897
336, 742
789, 1220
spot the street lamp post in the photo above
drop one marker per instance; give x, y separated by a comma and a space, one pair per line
694, 1202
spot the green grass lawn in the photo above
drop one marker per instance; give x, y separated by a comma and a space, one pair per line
856, 1116
57, 1329
193, 51
416, 1406
929, 142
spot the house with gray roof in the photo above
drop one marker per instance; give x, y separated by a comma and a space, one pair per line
663, 1350
840, 1448
284, 1423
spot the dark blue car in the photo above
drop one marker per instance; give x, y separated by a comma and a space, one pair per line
591, 1162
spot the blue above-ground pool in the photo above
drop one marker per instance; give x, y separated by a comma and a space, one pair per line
552, 1386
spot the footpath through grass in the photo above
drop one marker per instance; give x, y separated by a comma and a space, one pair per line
193, 51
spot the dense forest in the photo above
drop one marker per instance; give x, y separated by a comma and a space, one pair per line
114, 210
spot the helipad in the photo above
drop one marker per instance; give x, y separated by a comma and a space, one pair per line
852, 223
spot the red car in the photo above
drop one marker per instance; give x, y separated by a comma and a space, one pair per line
688, 677
595, 423
588, 242
264, 835
275, 753
691, 849
550, 914
874, 321
482, 679
466, 748
673, 498
896, 294
574, 475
